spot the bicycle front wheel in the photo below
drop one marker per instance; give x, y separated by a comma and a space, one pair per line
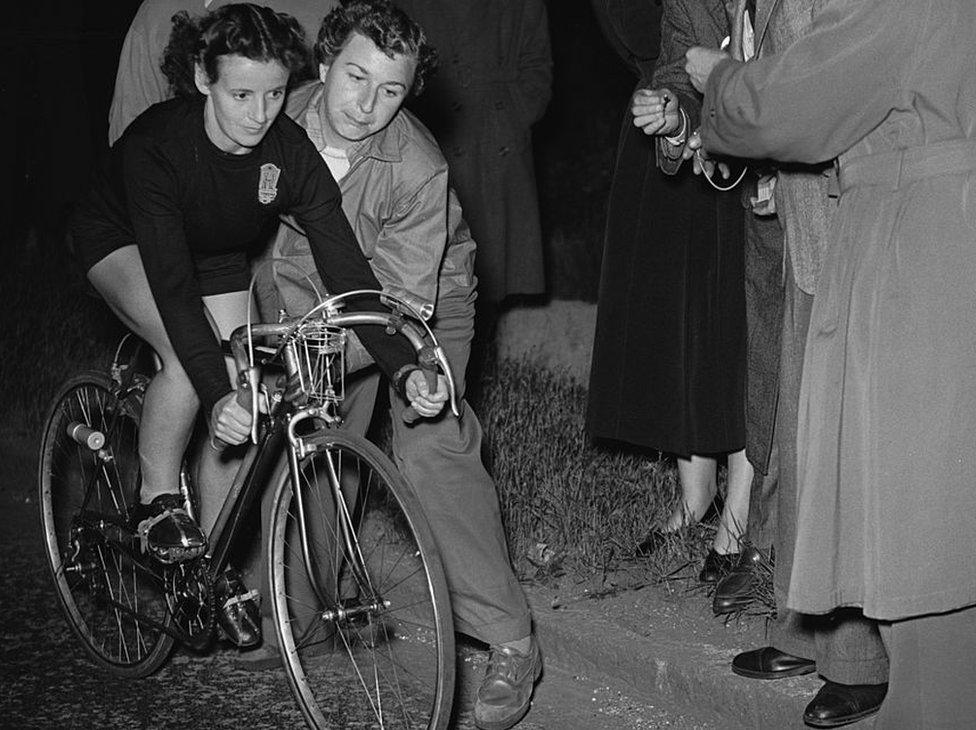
111, 600
360, 602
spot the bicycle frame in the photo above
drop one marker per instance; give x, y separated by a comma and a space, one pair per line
263, 457
279, 439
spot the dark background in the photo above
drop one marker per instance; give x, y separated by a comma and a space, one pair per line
57, 71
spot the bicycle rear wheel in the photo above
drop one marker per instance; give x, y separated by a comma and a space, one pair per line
368, 641
85, 489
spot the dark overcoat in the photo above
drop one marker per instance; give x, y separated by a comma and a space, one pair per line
669, 352
887, 417
494, 82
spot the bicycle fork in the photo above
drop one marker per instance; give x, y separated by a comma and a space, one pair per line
347, 535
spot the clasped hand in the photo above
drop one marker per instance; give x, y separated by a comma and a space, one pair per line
418, 393
230, 422
655, 111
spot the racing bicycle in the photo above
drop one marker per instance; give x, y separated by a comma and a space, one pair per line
358, 595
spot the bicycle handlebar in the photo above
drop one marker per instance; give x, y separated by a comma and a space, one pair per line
430, 355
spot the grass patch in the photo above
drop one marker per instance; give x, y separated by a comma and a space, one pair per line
574, 510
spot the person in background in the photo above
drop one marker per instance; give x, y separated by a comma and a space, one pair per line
140, 81
843, 647
394, 182
669, 354
884, 456
494, 83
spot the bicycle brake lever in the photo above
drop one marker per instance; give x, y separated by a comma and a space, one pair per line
247, 397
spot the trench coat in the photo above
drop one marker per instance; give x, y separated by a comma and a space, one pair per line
493, 83
668, 368
887, 417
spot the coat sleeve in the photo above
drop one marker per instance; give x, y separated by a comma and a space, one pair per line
678, 34
410, 246
534, 62
821, 95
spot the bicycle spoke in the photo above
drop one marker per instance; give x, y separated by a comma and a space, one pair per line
378, 650
108, 597
362, 679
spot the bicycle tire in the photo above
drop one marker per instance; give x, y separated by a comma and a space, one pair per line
392, 665
89, 568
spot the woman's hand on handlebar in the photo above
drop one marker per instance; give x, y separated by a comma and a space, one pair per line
230, 421
418, 394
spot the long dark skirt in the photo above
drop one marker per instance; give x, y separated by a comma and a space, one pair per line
669, 355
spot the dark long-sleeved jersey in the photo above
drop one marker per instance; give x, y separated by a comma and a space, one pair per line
197, 213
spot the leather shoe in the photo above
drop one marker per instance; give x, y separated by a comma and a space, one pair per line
506, 691
737, 589
771, 663
237, 610
659, 537
716, 566
166, 531
839, 704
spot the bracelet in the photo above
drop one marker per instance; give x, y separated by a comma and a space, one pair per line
682, 136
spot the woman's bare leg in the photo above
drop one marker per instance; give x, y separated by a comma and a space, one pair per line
735, 514
219, 467
698, 487
170, 404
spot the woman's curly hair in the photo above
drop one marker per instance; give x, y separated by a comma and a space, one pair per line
387, 26
242, 29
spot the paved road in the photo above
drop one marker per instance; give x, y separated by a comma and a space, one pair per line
46, 681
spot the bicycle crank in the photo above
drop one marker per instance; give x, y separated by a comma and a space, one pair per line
189, 595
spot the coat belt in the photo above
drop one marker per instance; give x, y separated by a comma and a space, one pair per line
891, 170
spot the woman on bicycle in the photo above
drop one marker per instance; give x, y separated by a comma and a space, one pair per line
194, 186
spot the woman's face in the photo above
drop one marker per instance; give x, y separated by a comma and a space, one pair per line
243, 101
363, 90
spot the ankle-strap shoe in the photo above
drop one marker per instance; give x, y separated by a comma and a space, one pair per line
717, 566
166, 531
238, 610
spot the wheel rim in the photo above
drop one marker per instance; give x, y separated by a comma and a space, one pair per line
99, 579
376, 656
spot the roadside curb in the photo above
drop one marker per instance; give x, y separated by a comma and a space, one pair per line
657, 661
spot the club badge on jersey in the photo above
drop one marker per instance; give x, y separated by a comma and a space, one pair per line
268, 183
